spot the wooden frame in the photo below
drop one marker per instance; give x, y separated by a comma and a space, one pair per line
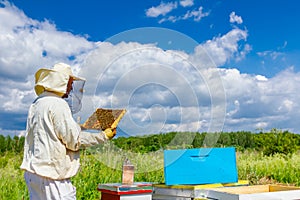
103, 118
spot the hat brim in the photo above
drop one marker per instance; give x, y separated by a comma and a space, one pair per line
42, 70
53, 80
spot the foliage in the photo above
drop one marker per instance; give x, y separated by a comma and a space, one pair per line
96, 169
8, 144
262, 158
277, 141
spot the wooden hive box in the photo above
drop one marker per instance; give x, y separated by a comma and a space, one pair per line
200, 166
117, 191
256, 192
188, 192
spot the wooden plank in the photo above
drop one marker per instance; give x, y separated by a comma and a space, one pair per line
274, 188
244, 189
256, 189
258, 192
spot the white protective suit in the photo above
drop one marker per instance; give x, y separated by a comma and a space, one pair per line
53, 138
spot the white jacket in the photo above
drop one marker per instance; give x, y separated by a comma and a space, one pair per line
53, 139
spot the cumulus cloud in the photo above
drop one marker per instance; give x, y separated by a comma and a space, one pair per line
222, 49
29, 44
162, 90
233, 18
161, 9
268, 102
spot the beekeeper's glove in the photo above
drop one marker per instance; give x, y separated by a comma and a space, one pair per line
110, 133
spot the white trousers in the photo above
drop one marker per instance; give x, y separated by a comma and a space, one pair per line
42, 188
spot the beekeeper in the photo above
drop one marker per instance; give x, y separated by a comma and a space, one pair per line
53, 138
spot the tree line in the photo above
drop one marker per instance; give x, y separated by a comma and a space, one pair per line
11, 144
272, 142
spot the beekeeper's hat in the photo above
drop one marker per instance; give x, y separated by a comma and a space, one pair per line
55, 79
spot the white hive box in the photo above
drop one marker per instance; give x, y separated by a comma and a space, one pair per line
256, 192
188, 192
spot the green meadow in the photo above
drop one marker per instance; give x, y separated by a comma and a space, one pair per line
256, 162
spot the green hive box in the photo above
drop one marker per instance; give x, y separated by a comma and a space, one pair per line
200, 166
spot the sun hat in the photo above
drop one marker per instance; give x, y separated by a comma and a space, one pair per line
55, 79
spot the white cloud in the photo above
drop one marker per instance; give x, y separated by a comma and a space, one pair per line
162, 90
196, 15
29, 43
233, 18
253, 101
273, 55
266, 103
161, 9
14, 101
169, 18
26, 45
261, 125
186, 3
286, 105
222, 49
245, 51
261, 78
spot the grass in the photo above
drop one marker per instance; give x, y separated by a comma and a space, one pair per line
260, 169
103, 165
12, 184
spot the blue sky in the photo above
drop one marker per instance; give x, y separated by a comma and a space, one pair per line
272, 26
226, 65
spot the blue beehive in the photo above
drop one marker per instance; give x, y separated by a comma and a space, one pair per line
200, 166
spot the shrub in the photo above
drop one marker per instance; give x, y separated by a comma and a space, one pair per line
277, 142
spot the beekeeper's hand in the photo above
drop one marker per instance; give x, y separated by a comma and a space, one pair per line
82, 127
110, 133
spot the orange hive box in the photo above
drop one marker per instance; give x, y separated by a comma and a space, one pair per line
102, 119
